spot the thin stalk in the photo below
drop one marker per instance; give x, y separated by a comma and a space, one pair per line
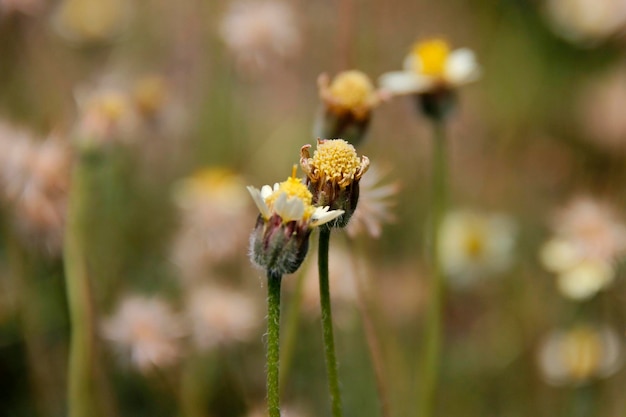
433, 331
291, 331
327, 324
82, 401
273, 344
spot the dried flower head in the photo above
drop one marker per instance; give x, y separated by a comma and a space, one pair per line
474, 245
579, 354
213, 206
147, 331
220, 316
35, 176
280, 239
376, 199
333, 175
259, 33
588, 240
431, 66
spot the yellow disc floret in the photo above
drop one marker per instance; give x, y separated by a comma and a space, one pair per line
111, 105
352, 89
431, 57
337, 161
294, 188
582, 352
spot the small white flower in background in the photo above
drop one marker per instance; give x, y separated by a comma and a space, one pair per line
220, 316
259, 33
34, 181
588, 241
586, 22
473, 245
431, 66
147, 331
376, 199
580, 354
214, 210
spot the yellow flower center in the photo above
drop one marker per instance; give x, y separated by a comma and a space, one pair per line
111, 105
431, 57
352, 88
294, 188
475, 243
582, 351
150, 94
337, 161
220, 186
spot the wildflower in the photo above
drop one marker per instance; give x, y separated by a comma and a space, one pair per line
212, 204
150, 95
91, 21
348, 102
473, 245
586, 22
376, 199
588, 241
147, 330
579, 354
35, 176
220, 316
333, 175
259, 33
432, 72
279, 241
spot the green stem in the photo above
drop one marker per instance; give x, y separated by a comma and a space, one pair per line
291, 331
327, 323
273, 344
82, 400
433, 331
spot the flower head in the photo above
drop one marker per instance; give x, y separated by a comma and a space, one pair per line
91, 21
473, 245
280, 240
432, 66
575, 356
148, 330
589, 239
333, 175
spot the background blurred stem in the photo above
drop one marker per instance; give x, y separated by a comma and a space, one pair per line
82, 376
273, 343
327, 323
433, 332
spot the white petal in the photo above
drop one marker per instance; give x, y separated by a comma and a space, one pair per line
410, 64
322, 215
289, 208
461, 67
585, 280
405, 82
266, 191
259, 201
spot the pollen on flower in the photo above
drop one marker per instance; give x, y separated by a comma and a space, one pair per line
294, 188
337, 160
352, 88
432, 56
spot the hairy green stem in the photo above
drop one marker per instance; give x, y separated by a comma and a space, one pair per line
429, 371
290, 333
273, 344
82, 401
327, 324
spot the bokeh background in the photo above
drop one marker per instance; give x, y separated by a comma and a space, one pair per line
187, 102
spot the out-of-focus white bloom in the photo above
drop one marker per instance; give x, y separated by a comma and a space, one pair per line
601, 110
431, 66
34, 177
260, 32
588, 241
586, 21
221, 316
376, 199
147, 330
91, 21
473, 245
214, 220
579, 354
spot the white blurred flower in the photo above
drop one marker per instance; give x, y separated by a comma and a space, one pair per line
220, 316
260, 32
376, 199
431, 66
586, 22
588, 240
147, 330
34, 181
473, 245
579, 354
214, 220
